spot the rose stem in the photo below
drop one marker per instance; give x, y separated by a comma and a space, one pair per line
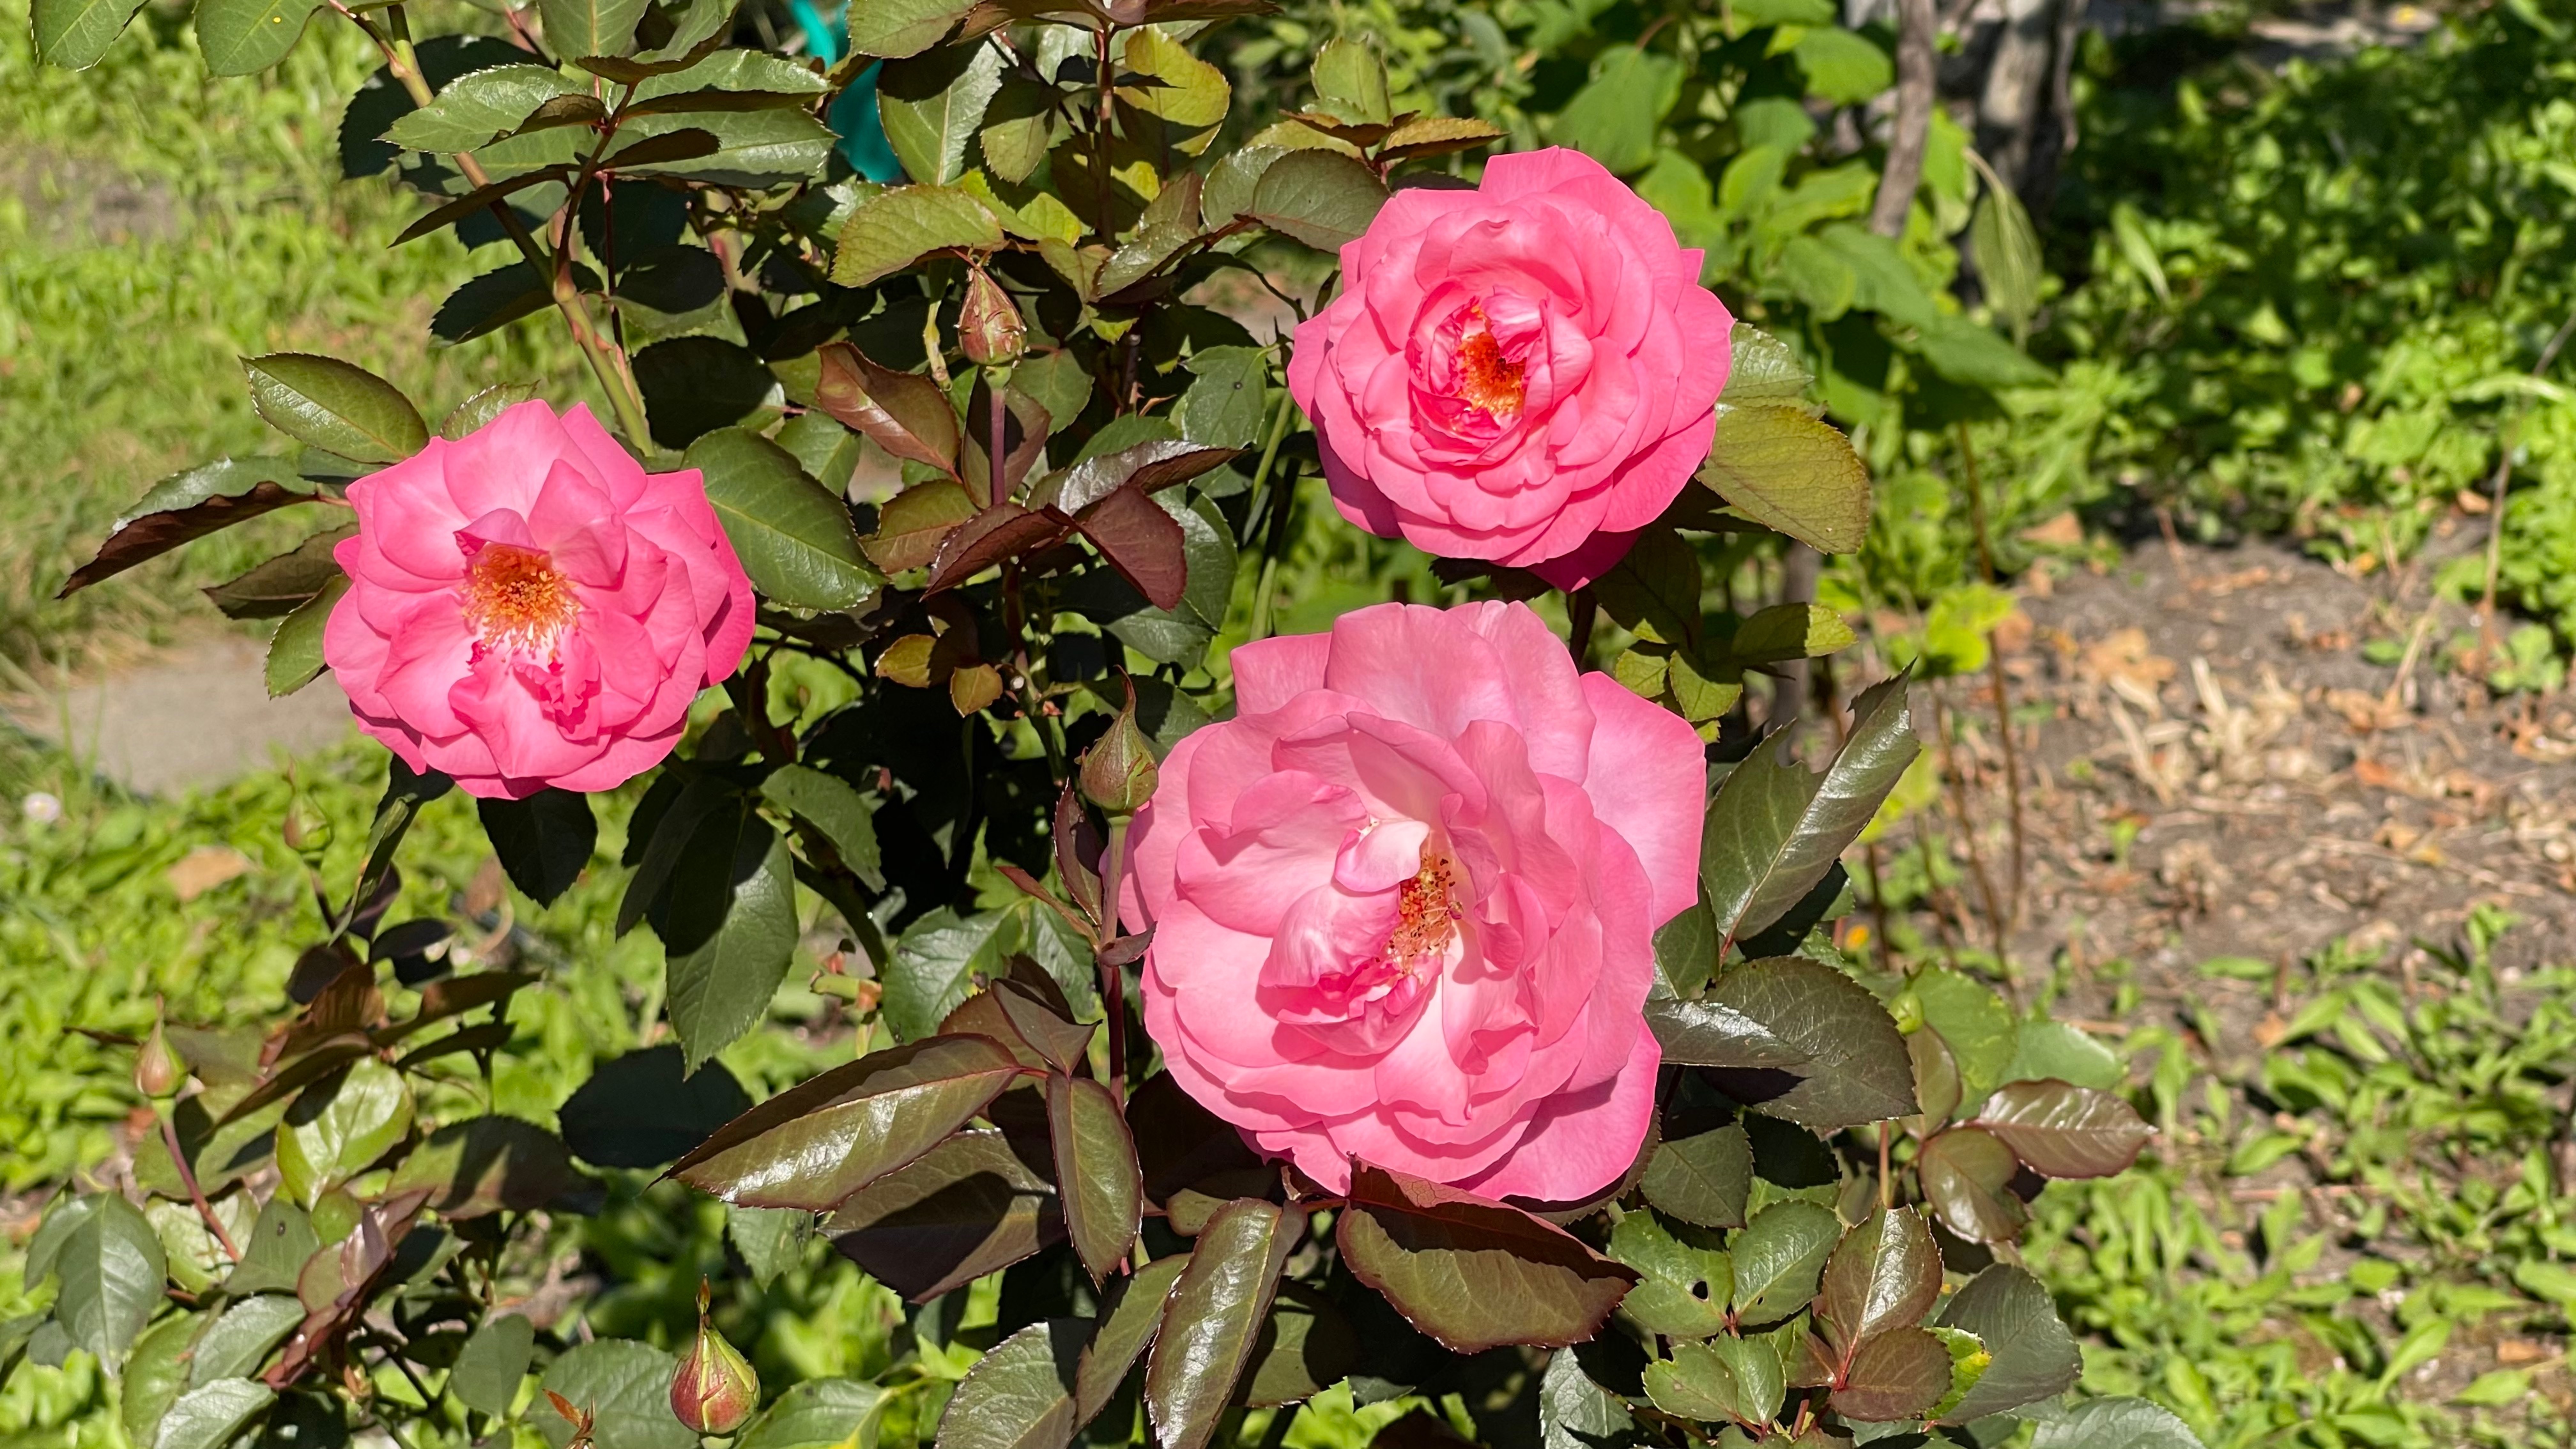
1113, 979
1995, 674
197, 1195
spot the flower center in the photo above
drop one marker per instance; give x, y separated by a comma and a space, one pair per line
1487, 380
515, 598
1426, 920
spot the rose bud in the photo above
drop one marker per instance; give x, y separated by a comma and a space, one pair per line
990, 329
158, 1072
715, 1390
1118, 774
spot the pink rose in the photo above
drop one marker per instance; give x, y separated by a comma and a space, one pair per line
1527, 372
1403, 902
529, 607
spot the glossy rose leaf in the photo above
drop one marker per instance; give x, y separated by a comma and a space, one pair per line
1895, 1375
1885, 1273
815, 1144
1213, 1319
912, 524
1096, 1171
1967, 1175
2033, 1357
1474, 1274
2064, 1130
1134, 1313
906, 414
187, 506
970, 1206
1020, 1394
1143, 541
1704, 1179
1858, 1070
1778, 1258
794, 538
1790, 471
335, 406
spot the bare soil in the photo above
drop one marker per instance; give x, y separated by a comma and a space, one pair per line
2212, 768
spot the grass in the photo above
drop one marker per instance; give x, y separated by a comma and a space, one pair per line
156, 224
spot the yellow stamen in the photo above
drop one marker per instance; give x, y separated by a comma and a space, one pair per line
1487, 380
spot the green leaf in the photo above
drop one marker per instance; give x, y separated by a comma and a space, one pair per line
2034, 1357
2063, 1130
335, 406
187, 506
1576, 1413
646, 1109
1613, 119
339, 1126
589, 27
155, 1375
1937, 1090
1858, 1069
1351, 79
1214, 1317
1019, 1395
898, 28
238, 37
1775, 829
1968, 1363
234, 1344
73, 34
1779, 1257
828, 803
1974, 1023
1897, 1374
766, 145
479, 107
544, 841
933, 104
1104, 1192
1791, 472
625, 1385
973, 1205
816, 1143
2043, 1048
1470, 1273
1967, 1175
1020, 122
2006, 248
295, 649
819, 1414
1885, 1274
1704, 1179
1686, 945
1654, 590
1125, 1329
111, 1265
695, 385
494, 300
275, 1251
1843, 66
1306, 1347
1724, 1378
1227, 403
2116, 1424
770, 1240
489, 1164
795, 540
207, 1417
1966, 353
724, 972
935, 964
897, 227
1189, 95
1762, 369
727, 79
1322, 198
1789, 631
1683, 1290
491, 1364
273, 589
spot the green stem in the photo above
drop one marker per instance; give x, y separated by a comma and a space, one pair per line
1274, 529
1113, 979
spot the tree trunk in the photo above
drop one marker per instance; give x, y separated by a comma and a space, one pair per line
1917, 62
2016, 88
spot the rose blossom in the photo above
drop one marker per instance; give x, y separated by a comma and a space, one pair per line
528, 607
1527, 372
1403, 901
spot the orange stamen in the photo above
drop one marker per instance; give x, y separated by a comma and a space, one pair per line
515, 598
1426, 920
1486, 379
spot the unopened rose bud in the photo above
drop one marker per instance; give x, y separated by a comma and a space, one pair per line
715, 1390
306, 830
1119, 774
990, 330
158, 1072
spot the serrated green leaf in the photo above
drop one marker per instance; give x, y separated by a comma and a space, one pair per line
2033, 1356
625, 1386
1775, 829
897, 227
234, 1345
794, 539
723, 973
295, 649
1321, 198
933, 104
1791, 472
576, 28
73, 34
1470, 1273
492, 1363
480, 107
339, 1126
1213, 1319
1684, 1290
207, 1417
1779, 1257
815, 1144
238, 37
1095, 1157
335, 406
1857, 1067
111, 1266
1704, 1179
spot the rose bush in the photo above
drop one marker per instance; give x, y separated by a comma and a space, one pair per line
1523, 373
529, 608
1403, 902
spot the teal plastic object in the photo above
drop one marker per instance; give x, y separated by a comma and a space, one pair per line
853, 116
